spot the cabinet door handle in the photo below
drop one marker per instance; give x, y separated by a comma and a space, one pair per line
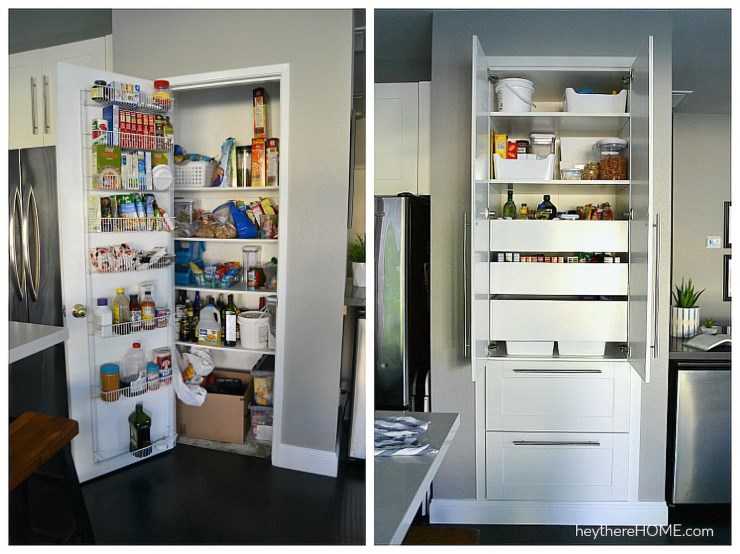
34, 122
558, 371
466, 323
47, 127
556, 443
656, 290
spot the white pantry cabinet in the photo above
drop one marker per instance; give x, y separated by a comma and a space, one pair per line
563, 427
32, 88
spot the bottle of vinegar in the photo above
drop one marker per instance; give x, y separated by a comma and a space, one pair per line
509, 211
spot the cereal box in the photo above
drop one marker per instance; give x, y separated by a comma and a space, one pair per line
258, 162
271, 157
260, 113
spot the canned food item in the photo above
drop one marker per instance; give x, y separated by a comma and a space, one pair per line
561, 259
152, 376
517, 257
162, 316
540, 258
500, 257
509, 256
547, 259
522, 147
163, 359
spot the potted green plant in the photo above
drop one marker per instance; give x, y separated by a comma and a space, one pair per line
709, 327
356, 251
685, 314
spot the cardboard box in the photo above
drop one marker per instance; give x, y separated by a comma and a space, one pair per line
222, 417
259, 103
258, 163
271, 156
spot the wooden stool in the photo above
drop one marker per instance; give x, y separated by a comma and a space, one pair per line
34, 440
440, 534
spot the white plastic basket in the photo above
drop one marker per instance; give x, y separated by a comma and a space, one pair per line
594, 103
194, 174
523, 168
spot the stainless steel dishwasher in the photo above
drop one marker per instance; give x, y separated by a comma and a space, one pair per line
701, 426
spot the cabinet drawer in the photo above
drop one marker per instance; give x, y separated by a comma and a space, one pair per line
559, 236
558, 396
566, 320
559, 279
557, 466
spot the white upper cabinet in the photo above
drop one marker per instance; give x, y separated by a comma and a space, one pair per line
521, 286
402, 138
32, 90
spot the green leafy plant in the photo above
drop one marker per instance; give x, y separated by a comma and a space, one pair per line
709, 322
356, 250
686, 295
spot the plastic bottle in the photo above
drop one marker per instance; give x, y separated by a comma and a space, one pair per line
121, 313
162, 95
209, 326
103, 318
148, 311
133, 371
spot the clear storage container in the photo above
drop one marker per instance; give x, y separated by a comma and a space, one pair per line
613, 163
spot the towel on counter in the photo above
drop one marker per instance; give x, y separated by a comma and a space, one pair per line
401, 436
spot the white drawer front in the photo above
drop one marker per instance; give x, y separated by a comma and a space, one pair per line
559, 236
559, 279
558, 396
557, 466
566, 320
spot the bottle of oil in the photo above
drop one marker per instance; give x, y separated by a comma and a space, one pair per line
229, 315
140, 425
509, 210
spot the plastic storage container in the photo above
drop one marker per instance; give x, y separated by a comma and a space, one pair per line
613, 164
261, 421
194, 174
526, 168
263, 387
514, 95
594, 103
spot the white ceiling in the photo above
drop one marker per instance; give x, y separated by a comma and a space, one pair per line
701, 53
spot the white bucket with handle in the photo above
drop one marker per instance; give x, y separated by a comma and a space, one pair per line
254, 328
514, 95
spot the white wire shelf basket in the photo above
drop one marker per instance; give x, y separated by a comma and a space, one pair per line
132, 141
130, 99
106, 260
132, 391
128, 328
108, 181
128, 224
115, 460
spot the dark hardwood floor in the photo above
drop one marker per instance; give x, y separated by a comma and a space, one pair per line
194, 495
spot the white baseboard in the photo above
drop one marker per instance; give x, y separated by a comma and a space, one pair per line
493, 512
309, 460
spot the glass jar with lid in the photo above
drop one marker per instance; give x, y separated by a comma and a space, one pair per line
162, 95
613, 163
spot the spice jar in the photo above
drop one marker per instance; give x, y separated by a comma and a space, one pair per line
110, 382
98, 90
613, 165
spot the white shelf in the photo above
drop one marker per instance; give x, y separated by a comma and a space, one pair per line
561, 182
227, 241
239, 288
253, 190
560, 123
228, 348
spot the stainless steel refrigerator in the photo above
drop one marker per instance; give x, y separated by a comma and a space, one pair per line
39, 382
402, 345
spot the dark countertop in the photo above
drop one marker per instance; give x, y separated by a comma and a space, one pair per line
681, 352
354, 296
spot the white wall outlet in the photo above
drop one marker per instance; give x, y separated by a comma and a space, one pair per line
713, 242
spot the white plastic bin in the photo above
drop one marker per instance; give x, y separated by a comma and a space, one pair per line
594, 103
529, 348
581, 348
518, 168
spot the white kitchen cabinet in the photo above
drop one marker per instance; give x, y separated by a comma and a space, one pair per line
32, 88
402, 138
555, 427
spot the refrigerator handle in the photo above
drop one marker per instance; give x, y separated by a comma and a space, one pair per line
34, 122
466, 326
33, 271
656, 289
20, 280
47, 128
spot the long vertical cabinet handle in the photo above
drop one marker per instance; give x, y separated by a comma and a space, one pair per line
20, 280
466, 323
34, 122
47, 127
33, 270
656, 289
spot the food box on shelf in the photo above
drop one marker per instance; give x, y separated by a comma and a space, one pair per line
221, 417
518, 168
595, 103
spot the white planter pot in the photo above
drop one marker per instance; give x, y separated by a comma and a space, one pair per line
358, 274
685, 321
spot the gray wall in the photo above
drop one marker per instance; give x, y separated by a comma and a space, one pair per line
32, 29
701, 185
597, 33
318, 46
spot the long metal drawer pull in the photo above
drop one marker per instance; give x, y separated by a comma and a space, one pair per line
559, 371
466, 330
14, 258
33, 269
47, 127
556, 443
34, 123
656, 290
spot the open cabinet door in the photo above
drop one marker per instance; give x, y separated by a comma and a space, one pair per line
640, 333
477, 332
103, 441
